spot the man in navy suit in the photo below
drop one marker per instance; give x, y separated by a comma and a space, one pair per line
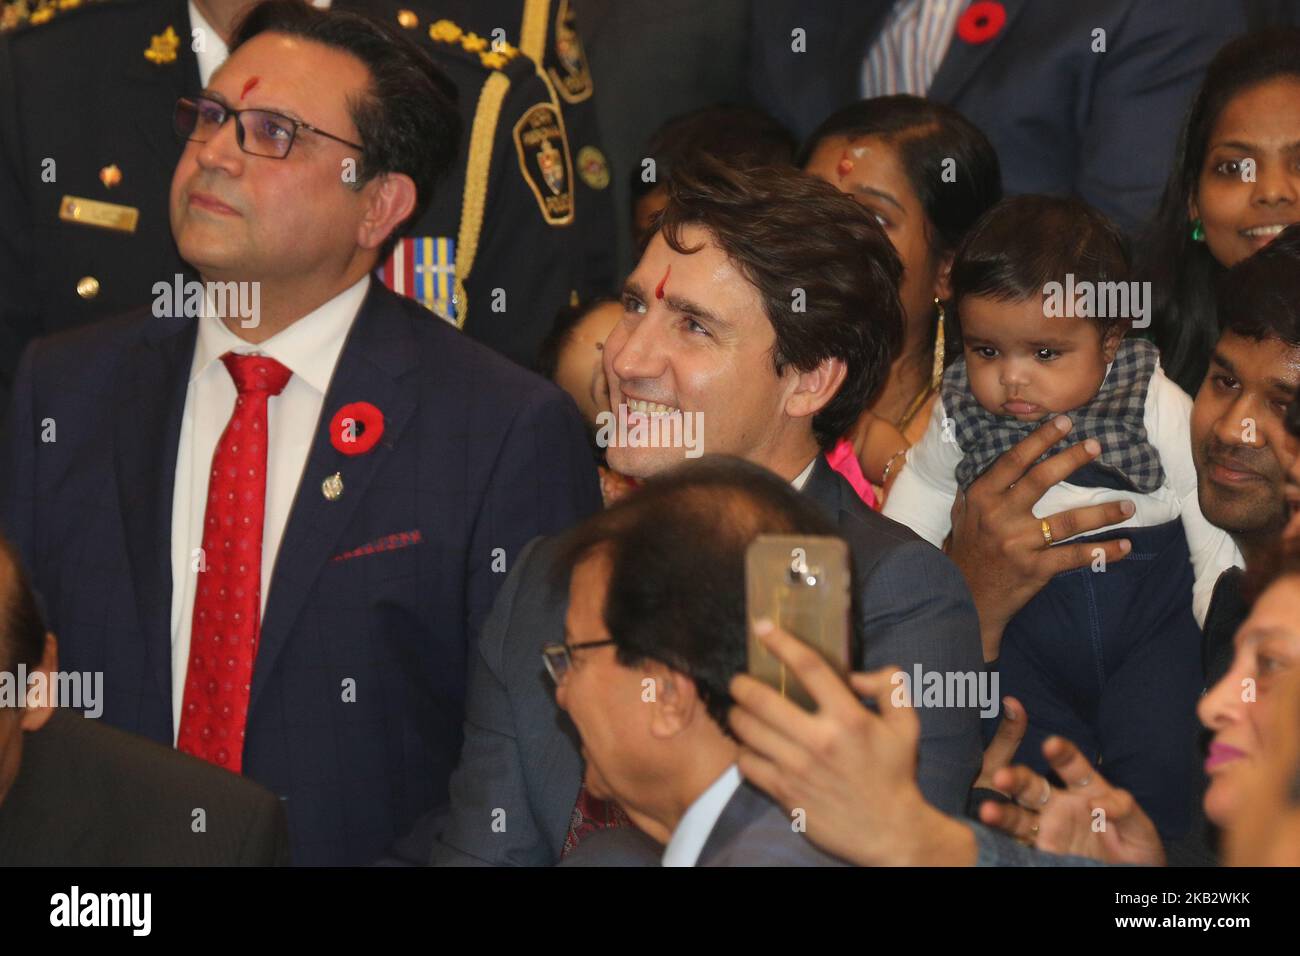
276, 526
1079, 98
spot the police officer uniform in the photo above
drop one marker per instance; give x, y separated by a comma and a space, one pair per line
511, 196
547, 32
87, 153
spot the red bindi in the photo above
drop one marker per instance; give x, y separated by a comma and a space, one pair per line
659, 289
845, 166
248, 85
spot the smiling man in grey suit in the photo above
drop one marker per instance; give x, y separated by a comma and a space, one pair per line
765, 310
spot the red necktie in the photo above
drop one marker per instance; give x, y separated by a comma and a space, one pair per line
589, 815
227, 602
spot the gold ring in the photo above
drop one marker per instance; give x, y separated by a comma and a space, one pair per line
1047, 532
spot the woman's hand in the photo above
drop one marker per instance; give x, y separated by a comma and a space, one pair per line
1089, 817
1002, 748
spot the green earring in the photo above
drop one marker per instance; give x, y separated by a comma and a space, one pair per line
1198, 231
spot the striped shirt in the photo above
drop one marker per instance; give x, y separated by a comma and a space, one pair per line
910, 47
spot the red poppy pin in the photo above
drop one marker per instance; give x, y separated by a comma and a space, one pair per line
356, 428
982, 21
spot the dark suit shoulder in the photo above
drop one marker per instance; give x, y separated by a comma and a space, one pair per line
443, 346
108, 797
86, 348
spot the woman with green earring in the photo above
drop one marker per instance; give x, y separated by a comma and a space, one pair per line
1234, 188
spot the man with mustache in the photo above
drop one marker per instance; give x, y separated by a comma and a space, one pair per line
278, 538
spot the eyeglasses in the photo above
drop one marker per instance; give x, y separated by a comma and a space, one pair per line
559, 657
258, 132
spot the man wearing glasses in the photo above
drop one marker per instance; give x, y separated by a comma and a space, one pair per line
276, 539
654, 633
86, 150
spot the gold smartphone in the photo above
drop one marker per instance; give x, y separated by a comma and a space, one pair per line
800, 583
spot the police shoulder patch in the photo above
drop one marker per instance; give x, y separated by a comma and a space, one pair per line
545, 162
494, 55
15, 14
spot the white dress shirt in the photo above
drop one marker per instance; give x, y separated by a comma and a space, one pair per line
923, 492
310, 349
701, 817
802, 478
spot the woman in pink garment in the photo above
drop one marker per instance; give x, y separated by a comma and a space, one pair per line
927, 174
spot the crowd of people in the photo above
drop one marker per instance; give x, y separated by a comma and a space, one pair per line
381, 460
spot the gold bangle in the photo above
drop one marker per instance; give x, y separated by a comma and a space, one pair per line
884, 475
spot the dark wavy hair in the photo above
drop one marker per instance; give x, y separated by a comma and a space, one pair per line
408, 121
788, 231
1182, 272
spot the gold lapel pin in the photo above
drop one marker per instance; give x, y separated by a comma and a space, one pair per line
332, 487
110, 176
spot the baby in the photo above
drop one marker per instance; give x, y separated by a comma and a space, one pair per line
1107, 656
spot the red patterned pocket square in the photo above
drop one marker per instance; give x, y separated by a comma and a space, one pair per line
389, 542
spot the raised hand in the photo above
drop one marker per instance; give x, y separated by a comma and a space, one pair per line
1088, 817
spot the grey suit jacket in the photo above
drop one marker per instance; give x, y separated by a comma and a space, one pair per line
513, 792
750, 831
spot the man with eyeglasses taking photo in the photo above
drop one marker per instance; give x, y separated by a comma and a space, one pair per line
276, 538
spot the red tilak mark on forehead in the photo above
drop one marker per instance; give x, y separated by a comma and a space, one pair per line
248, 85
659, 289
845, 166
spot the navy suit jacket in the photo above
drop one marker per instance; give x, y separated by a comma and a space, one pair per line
1064, 120
477, 455
519, 775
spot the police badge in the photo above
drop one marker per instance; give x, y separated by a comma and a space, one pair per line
547, 168
573, 81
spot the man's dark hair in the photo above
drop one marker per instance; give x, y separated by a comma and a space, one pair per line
740, 136
566, 320
22, 631
1259, 297
408, 121
676, 548
1025, 242
825, 271
929, 137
